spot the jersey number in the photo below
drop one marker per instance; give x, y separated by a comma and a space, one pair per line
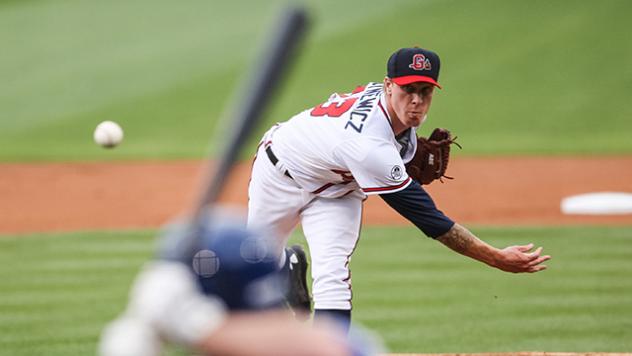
335, 109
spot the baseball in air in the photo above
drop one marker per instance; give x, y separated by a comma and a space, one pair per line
108, 134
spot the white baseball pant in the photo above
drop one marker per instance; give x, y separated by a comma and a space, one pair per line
331, 227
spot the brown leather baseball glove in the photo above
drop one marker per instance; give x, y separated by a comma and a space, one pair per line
430, 162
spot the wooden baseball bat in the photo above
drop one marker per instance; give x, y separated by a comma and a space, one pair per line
258, 88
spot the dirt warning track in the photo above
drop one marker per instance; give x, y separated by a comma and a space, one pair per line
485, 191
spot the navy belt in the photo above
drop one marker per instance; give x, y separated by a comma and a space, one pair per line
275, 160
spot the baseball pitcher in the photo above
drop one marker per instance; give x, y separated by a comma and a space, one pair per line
319, 167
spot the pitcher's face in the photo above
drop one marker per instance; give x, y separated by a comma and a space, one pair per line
410, 102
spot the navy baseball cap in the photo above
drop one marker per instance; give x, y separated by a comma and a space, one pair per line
411, 65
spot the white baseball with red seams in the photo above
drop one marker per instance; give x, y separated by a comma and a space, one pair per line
330, 158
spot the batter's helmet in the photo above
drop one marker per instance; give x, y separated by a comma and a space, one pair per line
238, 265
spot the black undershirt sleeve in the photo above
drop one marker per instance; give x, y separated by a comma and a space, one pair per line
416, 205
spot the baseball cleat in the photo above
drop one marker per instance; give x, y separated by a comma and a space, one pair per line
298, 294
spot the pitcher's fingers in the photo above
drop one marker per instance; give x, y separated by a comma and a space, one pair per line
537, 268
536, 253
539, 260
525, 248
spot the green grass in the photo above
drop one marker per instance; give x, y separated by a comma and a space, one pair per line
535, 77
421, 297
58, 290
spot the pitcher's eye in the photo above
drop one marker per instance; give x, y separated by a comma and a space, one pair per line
409, 89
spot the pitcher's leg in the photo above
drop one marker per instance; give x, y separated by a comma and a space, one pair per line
274, 205
332, 228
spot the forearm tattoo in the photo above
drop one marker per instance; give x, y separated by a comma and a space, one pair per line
458, 239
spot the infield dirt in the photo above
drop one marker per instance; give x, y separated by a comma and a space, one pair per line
485, 191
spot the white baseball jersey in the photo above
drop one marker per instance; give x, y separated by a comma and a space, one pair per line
316, 169
344, 145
